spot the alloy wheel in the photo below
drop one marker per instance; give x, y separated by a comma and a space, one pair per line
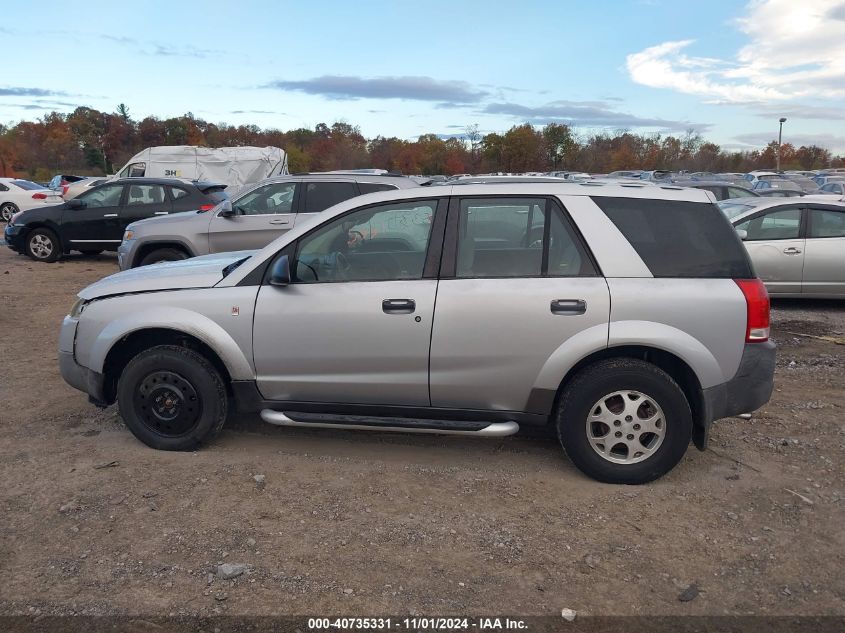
626, 427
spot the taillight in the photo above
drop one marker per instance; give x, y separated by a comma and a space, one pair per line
757, 310
39, 196
207, 207
64, 190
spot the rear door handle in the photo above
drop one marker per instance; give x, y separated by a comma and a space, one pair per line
569, 306
160, 213
791, 250
399, 306
110, 215
280, 222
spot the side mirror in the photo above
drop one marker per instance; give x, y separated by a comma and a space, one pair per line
76, 203
226, 210
743, 234
280, 274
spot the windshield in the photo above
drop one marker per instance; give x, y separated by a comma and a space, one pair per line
27, 184
732, 209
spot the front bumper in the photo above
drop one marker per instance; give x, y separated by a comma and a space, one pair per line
749, 389
15, 237
125, 253
73, 373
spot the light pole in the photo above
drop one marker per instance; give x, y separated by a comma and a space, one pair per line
780, 135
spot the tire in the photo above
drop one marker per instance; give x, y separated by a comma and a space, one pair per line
43, 245
172, 398
163, 255
7, 210
636, 455
92, 253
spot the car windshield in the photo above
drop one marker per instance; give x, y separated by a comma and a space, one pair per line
732, 209
27, 184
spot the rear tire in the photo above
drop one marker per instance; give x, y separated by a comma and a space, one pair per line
43, 245
172, 398
624, 421
163, 255
7, 211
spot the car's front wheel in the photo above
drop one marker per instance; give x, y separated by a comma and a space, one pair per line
624, 421
43, 245
7, 210
172, 398
163, 255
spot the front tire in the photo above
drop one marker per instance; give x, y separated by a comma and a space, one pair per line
624, 421
163, 255
43, 245
172, 398
7, 210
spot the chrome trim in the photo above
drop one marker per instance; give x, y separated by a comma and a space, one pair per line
94, 241
494, 429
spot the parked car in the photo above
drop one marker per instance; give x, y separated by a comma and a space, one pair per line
59, 181
78, 187
255, 217
469, 311
821, 181
19, 195
95, 220
625, 173
797, 245
780, 193
723, 190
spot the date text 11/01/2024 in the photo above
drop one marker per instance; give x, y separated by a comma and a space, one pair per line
416, 624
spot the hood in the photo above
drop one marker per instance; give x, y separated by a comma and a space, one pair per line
196, 272
162, 220
46, 212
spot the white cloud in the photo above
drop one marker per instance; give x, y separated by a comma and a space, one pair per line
795, 50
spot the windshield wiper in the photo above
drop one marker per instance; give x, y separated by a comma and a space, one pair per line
234, 265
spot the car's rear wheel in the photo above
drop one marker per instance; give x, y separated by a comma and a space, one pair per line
43, 245
163, 255
172, 398
624, 421
7, 210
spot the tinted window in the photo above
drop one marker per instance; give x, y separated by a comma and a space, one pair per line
267, 200
319, 196
739, 192
372, 187
679, 239
140, 195
784, 224
105, 196
26, 184
377, 243
177, 193
3, 187
825, 223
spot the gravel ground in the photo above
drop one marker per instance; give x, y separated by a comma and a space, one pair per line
318, 522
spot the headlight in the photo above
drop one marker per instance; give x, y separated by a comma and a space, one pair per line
128, 235
78, 307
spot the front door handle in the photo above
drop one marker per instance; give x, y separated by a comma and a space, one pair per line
791, 250
569, 306
110, 215
280, 222
398, 306
160, 213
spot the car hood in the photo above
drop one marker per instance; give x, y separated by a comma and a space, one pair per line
196, 272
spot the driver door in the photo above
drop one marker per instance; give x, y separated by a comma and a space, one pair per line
98, 225
263, 214
354, 326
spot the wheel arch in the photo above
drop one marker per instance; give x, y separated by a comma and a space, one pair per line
146, 248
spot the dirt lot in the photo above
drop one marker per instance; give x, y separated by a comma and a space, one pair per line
373, 523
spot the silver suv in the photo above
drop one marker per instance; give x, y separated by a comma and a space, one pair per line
256, 216
627, 318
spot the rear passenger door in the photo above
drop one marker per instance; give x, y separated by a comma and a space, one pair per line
776, 245
318, 196
144, 201
824, 254
516, 283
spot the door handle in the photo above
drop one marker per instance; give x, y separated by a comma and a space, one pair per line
160, 213
110, 215
280, 222
398, 306
569, 306
791, 250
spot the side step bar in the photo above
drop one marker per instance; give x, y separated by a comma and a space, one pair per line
396, 425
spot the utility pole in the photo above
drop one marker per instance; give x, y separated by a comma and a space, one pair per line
780, 135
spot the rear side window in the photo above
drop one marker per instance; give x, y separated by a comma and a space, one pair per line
319, 196
825, 223
679, 239
178, 192
372, 187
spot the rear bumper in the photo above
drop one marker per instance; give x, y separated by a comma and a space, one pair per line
748, 390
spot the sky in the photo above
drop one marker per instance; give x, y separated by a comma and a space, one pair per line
728, 70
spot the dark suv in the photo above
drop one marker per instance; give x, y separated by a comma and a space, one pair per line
95, 221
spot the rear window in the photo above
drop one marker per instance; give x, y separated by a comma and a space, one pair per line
679, 239
28, 185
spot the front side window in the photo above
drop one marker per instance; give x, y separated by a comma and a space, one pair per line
826, 223
377, 243
140, 195
105, 196
267, 200
319, 196
784, 224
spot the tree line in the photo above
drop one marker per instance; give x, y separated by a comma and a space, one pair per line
90, 142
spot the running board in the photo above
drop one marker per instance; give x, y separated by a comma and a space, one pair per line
396, 425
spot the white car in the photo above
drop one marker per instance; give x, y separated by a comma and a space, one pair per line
20, 195
74, 189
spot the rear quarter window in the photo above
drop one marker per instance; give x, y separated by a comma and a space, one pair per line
679, 239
